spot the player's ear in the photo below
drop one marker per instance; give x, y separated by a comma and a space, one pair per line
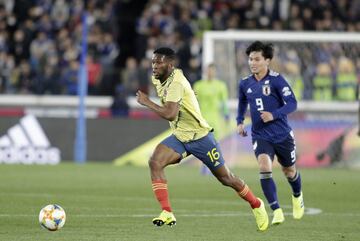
268, 61
171, 63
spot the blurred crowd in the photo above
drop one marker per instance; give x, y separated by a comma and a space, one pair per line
40, 46
39, 43
316, 71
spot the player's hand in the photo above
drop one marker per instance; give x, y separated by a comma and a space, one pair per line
266, 116
141, 98
241, 130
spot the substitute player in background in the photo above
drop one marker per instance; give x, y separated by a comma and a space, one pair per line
271, 100
212, 95
191, 135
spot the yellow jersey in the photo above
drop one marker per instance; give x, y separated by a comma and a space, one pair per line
189, 125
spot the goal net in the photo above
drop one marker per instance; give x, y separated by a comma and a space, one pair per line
324, 72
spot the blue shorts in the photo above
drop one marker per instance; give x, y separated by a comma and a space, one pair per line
206, 149
285, 150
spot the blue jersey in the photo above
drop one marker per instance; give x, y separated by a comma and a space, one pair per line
272, 94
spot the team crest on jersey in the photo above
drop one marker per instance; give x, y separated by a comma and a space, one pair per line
266, 90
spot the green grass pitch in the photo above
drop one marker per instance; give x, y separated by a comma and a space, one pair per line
104, 202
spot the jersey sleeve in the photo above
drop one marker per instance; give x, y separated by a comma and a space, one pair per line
285, 92
242, 104
175, 92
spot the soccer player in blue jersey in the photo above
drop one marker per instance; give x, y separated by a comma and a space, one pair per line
270, 99
191, 135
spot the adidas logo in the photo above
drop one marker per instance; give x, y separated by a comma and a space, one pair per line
26, 143
249, 91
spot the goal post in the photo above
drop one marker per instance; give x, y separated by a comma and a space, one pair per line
226, 49
272, 36
323, 69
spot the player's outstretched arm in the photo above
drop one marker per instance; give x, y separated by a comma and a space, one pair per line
168, 111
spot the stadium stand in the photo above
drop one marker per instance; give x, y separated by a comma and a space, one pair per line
39, 41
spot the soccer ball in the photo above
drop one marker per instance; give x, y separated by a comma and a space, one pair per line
52, 217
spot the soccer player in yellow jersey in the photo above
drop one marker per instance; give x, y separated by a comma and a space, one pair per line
191, 135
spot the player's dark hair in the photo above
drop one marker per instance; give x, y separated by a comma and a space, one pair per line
266, 49
168, 52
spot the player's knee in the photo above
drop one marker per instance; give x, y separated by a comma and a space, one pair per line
159, 161
289, 172
265, 164
155, 163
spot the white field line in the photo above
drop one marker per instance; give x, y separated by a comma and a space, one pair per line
227, 203
183, 213
192, 214
148, 212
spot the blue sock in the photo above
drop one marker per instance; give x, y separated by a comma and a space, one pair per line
295, 184
269, 188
